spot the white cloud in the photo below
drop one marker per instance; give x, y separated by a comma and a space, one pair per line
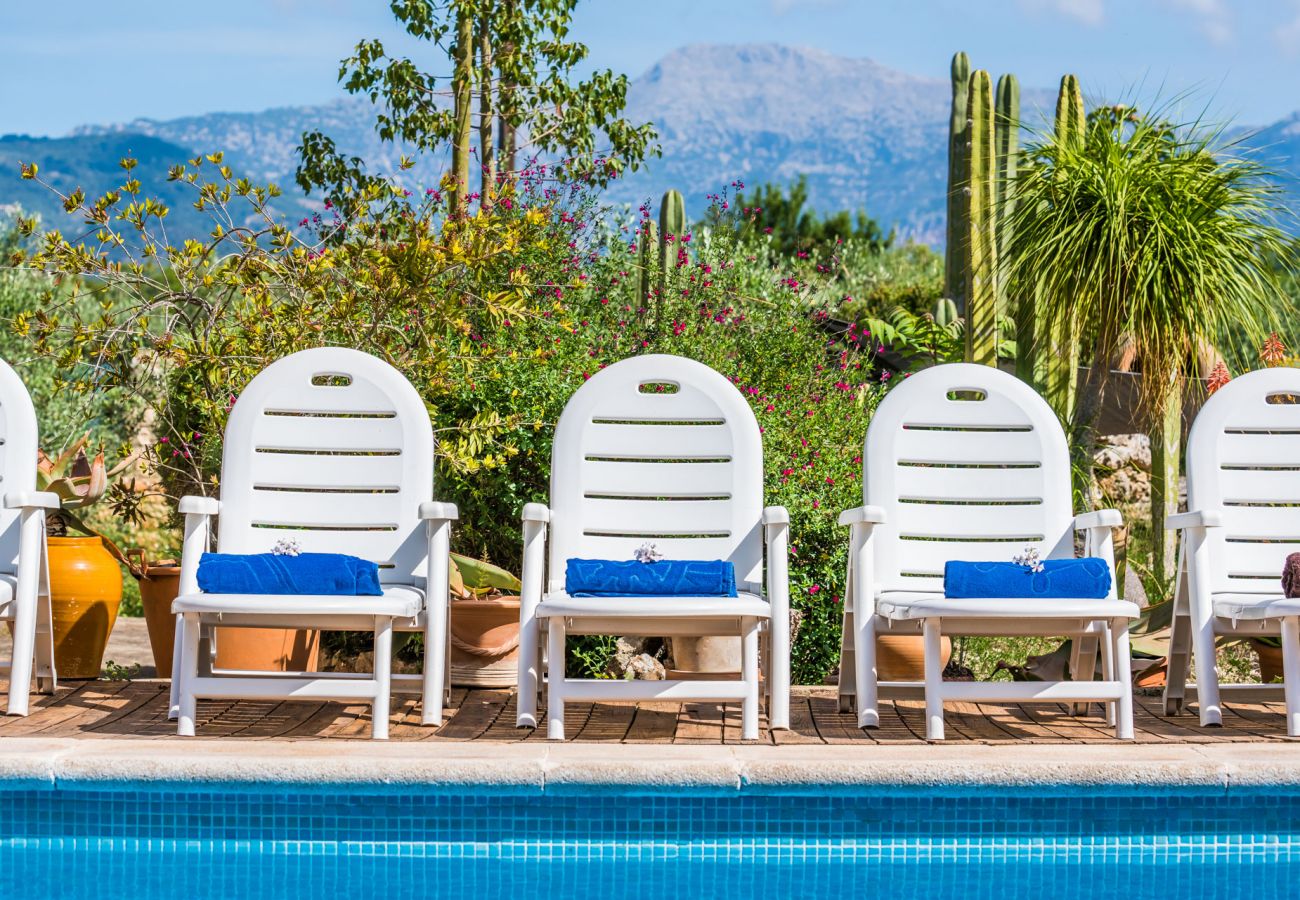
1089, 12
1213, 17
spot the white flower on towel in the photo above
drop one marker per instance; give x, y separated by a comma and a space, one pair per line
1029, 559
286, 547
647, 553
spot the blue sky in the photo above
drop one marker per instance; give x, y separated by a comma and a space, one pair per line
66, 62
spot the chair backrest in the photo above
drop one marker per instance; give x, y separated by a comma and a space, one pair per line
18, 443
968, 463
1243, 458
657, 449
333, 448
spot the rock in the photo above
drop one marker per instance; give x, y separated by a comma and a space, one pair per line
1133, 589
1124, 469
645, 667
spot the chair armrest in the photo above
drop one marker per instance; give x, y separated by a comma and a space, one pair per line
32, 500
776, 515
432, 509
537, 512
203, 506
1200, 518
863, 515
1098, 518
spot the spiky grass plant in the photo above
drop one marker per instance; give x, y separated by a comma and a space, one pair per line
1158, 236
1161, 234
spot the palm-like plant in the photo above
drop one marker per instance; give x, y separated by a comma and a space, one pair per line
1160, 235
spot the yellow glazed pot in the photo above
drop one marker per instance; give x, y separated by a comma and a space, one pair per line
85, 593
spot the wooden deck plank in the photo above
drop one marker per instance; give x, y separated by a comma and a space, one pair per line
699, 723
653, 723
139, 710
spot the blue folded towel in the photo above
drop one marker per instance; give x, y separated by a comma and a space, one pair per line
271, 573
663, 578
1065, 578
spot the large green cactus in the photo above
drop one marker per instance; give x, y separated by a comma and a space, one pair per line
958, 227
1006, 126
980, 244
1060, 361
672, 224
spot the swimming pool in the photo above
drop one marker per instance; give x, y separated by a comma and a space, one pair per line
147, 840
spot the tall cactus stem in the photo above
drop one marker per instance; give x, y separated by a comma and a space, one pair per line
957, 226
1060, 363
981, 239
672, 225
1007, 137
647, 248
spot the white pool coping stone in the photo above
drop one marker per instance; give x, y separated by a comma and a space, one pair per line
81, 763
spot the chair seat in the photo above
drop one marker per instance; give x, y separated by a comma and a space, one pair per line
1255, 606
398, 600
8, 584
747, 604
916, 605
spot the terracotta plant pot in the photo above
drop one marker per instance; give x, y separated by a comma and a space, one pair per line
901, 657
85, 593
159, 582
267, 649
1270, 661
484, 642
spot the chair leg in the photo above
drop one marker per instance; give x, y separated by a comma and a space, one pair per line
527, 679
1108, 668
749, 675
1291, 673
434, 678
555, 679
848, 687
1083, 663
188, 672
383, 675
1207, 678
933, 646
1123, 669
24, 650
866, 685
178, 662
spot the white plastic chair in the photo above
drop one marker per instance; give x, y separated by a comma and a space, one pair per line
665, 450
965, 462
332, 448
24, 570
1243, 494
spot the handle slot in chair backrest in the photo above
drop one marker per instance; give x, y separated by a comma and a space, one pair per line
333, 448
969, 463
18, 443
657, 449
1243, 457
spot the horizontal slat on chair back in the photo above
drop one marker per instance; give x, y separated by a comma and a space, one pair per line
17, 457
968, 463
332, 448
663, 450
1243, 457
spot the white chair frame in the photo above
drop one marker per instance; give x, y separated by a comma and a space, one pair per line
23, 561
682, 469
967, 462
333, 448
1243, 488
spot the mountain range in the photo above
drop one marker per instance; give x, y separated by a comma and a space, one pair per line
866, 136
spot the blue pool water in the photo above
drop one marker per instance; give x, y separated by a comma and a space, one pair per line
143, 841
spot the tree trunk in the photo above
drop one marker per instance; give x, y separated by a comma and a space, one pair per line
463, 88
506, 143
1166, 437
486, 112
